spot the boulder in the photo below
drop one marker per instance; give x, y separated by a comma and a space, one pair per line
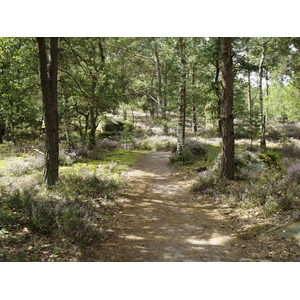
111, 125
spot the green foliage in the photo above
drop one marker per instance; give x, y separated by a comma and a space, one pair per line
126, 134
282, 102
186, 158
271, 159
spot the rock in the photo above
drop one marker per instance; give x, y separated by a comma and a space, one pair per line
291, 230
111, 125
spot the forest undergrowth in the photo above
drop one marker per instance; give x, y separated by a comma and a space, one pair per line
65, 223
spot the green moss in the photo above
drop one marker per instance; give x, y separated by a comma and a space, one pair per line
123, 158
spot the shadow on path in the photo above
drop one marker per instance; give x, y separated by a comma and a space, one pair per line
161, 222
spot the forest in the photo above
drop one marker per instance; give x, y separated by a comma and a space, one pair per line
78, 114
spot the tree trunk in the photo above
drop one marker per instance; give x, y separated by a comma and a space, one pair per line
161, 101
227, 163
93, 118
158, 78
262, 119
92, 132
181, 107
267, 92
2, 130
65, 97
218, 94
49, 91
194, 115
249, 99
164, 102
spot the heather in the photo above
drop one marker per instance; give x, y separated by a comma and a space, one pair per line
74, 212
267, 180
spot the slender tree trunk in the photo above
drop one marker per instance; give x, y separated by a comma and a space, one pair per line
66, 110
49, 91
262, 118
92, 127
181, 96
227, 163
92, 118
2, 130
161, 101
249, 99
158, 78
218, 94
267, 91
194, 115
164, 102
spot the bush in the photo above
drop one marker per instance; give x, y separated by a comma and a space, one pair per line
270, 158
68, 218
66, 158
196, 147
243, 160
293, 173
106, 143
186, 157
157, 143
206, 180
25, 165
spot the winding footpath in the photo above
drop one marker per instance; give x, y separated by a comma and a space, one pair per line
161, 221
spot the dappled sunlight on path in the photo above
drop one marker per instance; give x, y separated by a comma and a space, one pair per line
161, 221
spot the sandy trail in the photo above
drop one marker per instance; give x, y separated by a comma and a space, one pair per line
160, 220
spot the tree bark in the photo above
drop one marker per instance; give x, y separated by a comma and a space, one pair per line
2, 130
249, 99
227, 162
49, 91
218, 94
164, 102
65, 97
262, 118
267, 92
161, 101
93, 118
194, 115
158, 78
181, 96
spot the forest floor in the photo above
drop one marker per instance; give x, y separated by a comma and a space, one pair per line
161, 220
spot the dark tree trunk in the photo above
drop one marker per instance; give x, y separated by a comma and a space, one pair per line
227, 164
93, 118
2, 130
49, 91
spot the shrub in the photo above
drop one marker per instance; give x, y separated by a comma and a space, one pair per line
206, 180
156, 143
69, 218
293, 173
186, 157
243, 160
270, 158
195, 146
107, 143
66, 158
24, 165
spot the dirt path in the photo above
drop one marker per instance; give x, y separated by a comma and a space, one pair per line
162, 221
